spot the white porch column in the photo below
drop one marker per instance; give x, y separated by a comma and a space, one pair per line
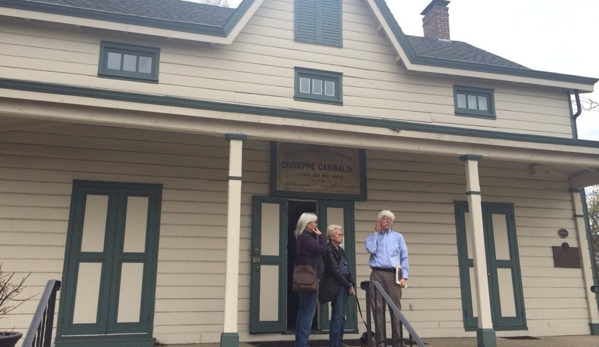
585, 256
230, 336
485, 334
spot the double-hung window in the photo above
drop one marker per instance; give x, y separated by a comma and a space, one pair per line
319, 22
126, 61
476, 102
318, 85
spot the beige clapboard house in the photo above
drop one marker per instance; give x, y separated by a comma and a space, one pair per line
155, 156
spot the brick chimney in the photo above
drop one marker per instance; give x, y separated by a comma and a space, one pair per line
436, 20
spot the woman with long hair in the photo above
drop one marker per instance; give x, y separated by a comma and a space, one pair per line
311, 245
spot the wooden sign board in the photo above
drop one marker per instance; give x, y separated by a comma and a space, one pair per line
312, 171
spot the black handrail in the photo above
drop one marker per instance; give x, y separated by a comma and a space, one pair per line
39, 333
403, 321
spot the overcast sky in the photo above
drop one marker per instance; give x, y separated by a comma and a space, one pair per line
548, 35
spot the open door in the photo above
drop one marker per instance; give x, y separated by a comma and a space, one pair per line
269, 265
273, 305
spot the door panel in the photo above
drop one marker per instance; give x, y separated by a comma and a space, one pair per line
340, 213
110, 266
505, 285
503, 268
269, 265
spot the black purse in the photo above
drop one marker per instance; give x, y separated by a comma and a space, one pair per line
329, 288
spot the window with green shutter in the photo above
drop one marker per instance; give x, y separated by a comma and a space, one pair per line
318, 21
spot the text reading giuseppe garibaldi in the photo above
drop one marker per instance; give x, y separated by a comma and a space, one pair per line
303, 165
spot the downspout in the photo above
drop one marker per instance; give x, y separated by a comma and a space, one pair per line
574, 116
585, 208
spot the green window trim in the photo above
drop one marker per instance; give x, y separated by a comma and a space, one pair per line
319, 22
474, 102
129, 62
318, 86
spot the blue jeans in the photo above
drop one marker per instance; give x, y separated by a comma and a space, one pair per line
305, 315
338, 311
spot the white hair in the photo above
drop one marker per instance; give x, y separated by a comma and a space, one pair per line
386, 213
303, 220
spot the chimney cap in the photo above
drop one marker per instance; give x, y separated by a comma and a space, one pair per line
442, 3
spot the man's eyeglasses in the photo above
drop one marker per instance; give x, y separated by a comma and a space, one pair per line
387, 218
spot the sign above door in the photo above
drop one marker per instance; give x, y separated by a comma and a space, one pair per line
312, 171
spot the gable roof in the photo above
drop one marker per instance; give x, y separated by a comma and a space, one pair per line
170, 10
417, 53
428, 47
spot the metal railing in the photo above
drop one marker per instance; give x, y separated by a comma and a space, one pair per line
39, 333
375, 288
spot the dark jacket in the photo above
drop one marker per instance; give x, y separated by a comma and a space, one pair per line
332, 265
310, 251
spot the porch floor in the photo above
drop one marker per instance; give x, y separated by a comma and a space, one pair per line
545, 341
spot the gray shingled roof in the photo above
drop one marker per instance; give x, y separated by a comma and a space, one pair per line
428, 47
201, 14
172, 10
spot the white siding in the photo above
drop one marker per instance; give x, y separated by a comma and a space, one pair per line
257, 69
37, 172
37, 168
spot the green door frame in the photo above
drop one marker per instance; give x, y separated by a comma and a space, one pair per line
493, 264
107, 331
258, 260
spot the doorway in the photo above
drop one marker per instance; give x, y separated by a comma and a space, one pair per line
109, 278
273, 304
503, 266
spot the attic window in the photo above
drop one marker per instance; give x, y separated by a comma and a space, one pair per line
129, 62
475, 102
318, 86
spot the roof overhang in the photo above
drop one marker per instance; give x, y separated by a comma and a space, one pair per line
560, 159
413, 62
227, 34
81, 17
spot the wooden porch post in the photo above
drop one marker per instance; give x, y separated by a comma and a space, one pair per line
230, 336
485, 334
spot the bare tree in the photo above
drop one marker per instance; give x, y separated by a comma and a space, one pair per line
221, 3
592, 194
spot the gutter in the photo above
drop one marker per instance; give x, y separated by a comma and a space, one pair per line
578, 113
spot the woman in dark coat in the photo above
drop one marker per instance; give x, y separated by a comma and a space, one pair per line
335, 263
311, 246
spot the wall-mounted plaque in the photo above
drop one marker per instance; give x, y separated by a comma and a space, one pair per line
566, 257
311, 171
